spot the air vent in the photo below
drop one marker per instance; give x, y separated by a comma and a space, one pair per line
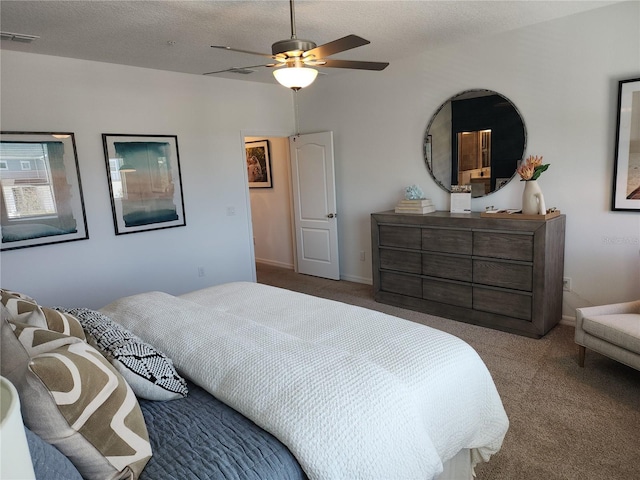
18, 37
241, 71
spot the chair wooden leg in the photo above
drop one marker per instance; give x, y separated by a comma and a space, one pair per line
581, 352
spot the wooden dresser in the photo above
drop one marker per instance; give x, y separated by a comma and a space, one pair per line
499, 273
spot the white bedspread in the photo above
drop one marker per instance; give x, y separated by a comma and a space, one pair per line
353, 393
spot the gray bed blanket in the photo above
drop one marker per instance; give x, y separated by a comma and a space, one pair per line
201, 438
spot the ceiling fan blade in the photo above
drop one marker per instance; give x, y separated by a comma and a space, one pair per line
359, 65
239, 69
222, 47
337, 46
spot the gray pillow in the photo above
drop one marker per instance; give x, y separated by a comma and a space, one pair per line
150, 373
49, 463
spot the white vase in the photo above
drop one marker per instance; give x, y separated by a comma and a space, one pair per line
532, 199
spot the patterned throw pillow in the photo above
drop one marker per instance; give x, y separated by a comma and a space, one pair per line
73, 398
150, 373
24, 309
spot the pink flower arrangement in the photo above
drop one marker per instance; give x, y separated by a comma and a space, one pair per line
531, 168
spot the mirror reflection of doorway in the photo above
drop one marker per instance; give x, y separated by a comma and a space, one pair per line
475, 111
474, 161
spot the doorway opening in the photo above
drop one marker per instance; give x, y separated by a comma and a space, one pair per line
293, 211
271, 204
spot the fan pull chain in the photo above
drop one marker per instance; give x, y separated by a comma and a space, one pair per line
295, 119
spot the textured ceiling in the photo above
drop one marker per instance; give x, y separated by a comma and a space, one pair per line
177, 35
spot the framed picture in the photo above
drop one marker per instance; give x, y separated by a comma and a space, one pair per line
41, 199
626, 174
258, 164
144, 182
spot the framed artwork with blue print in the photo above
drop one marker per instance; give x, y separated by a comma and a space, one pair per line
144, 182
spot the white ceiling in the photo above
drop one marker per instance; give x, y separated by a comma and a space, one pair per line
177, 35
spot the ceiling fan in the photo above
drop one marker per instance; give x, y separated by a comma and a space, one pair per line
295, 58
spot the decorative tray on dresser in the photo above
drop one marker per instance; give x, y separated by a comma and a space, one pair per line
501, 273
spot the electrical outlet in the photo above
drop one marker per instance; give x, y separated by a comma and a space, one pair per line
201, 271
566, 284
362, 256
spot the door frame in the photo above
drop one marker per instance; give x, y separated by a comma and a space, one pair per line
265, 134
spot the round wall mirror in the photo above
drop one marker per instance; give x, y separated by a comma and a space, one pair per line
475, 138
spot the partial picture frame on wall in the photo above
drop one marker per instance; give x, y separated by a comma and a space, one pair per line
258, 164
41, 197
145, 183
626, 175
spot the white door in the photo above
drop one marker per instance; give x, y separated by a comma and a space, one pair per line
314, 204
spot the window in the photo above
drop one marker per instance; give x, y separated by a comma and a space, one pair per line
27, 187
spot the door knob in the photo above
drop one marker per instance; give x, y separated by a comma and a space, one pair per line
331, 215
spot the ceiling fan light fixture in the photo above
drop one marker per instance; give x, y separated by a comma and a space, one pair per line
295, 56
295, 77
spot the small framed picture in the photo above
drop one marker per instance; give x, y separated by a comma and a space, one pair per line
626, 175
144, 182
41, 194
258, 164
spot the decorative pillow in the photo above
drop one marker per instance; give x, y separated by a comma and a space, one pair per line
24, 309
73, 398
8, 293
150, 373
48, 461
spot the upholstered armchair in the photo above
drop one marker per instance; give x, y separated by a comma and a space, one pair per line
612, 330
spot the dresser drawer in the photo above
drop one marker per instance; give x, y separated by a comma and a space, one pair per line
447, 240
398, 236
401, 261
473, 268
504, 303
503, 274
447, 292
503, 245
401, 284
447, 266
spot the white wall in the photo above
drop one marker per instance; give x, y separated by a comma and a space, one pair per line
45, 94
563, 77
271, 209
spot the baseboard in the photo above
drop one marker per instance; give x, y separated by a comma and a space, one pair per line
274, 263
348, 278
355, 279
567, 320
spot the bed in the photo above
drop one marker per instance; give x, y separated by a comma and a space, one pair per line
353, 393
284, 385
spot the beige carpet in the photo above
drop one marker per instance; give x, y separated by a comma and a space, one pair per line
566, 422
